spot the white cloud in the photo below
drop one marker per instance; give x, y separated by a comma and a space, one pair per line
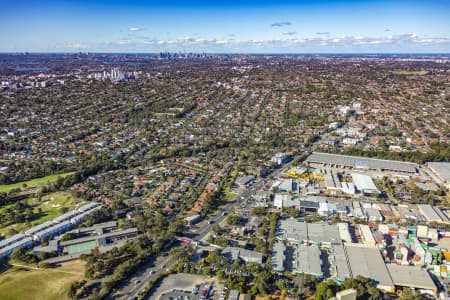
323, 43
281, 24
134, 29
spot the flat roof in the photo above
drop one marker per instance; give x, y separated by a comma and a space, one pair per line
307, 260
432, 213
411, 276
357, 161
292, 230
323, 232
331, 179
344, 232
339, 262
442, 169
278, 256
113, 234
368, 262
296, 231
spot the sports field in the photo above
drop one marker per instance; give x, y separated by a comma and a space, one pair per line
50, 206
33, 182
405, 72
21, 283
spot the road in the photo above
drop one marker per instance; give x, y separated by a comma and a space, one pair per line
228, 208
130, 288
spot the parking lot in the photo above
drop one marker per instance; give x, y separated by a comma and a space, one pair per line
182, 287
198, 292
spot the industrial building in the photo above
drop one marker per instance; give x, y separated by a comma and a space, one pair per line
433, 214
293, 231
344, 232
287, 185
364, 184
320, 234
234, 253
412, 277
366, 235
339, 268
355, 162
307, 260
334, 185
278, 255
368, 262
441, 171
281, 201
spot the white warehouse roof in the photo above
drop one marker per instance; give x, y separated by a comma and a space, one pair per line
364, 183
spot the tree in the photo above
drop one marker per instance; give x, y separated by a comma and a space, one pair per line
408, 294
323, 292
18, 254
63, 210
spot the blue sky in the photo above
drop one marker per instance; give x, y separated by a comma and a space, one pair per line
392, 26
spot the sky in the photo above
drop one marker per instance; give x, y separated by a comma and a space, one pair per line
217, 26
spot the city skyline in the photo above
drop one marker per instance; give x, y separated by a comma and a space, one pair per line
219, 27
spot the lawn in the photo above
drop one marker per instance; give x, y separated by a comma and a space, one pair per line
404, 72
33, 182
21, 283
230, 196
51, 205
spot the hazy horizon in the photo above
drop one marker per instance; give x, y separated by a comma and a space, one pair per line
376, 26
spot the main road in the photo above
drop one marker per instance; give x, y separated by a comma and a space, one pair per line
130, 288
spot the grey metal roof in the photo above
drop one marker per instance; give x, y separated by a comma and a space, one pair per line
278, 256
323, 233
299, 232
355, 161
234, 253
292, 230
307, 260
338, 262
442, 169
432, 213
368, 262
411, 276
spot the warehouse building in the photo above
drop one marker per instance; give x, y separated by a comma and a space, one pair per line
355, 162
320, 234
441, 170
278, 255
281, 201
334, 185
339, 268
412, 277
293, 231
234, 253
364, 184
366, 235
432, 214
368, 262
307, 260
344, 232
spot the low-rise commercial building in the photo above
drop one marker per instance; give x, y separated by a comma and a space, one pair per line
368, 262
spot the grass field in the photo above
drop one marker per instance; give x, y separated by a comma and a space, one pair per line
51, 205
21, 283
404, 72
33, 182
